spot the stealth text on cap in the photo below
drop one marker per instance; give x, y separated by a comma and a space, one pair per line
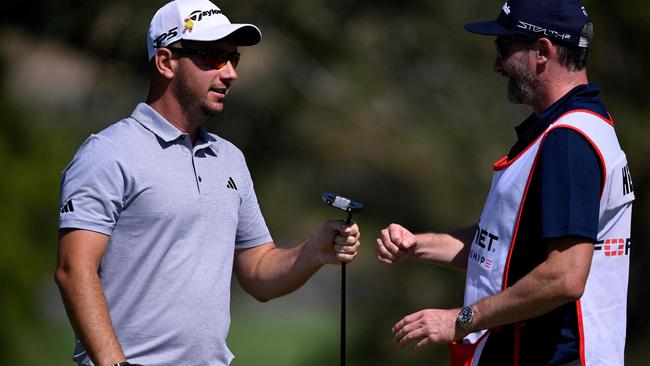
547, 32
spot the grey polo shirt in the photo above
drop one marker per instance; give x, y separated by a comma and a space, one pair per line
175, 214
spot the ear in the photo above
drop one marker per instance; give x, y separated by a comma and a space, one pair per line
545, 50
164, 63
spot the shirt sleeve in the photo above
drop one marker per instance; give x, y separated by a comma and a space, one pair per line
92, 188
571, 179
251, 228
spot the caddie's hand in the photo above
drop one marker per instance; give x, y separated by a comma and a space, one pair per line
337, 242
395, 244
429, 326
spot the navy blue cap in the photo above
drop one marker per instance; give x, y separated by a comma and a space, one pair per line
558, 20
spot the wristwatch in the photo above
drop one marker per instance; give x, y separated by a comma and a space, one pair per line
465, 317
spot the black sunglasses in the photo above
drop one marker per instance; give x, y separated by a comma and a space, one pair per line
502, 45
215, 58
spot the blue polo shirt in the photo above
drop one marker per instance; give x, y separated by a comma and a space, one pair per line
563, 199
568, 169
175, 214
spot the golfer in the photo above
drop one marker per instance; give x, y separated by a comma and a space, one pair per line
547, 263
156, 212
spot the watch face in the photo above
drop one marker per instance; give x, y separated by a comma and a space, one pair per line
465, 317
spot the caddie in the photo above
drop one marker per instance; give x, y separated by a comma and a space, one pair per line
547, 263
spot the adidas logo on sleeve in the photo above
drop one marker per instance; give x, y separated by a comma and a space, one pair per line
67, 207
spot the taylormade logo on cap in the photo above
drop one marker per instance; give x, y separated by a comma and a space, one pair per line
197, 15
197, 20
559, 20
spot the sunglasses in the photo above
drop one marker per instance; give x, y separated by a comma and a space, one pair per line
503, 45
215, 58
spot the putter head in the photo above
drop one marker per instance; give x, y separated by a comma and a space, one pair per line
340, 202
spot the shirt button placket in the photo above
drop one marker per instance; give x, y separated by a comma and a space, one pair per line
187, 143
196, 162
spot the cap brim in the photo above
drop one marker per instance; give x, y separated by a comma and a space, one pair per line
241, 34
246, 35
489, 28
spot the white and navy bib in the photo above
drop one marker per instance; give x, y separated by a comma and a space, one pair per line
602, 308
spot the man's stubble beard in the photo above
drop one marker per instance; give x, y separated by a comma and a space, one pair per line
521, 82
190, 101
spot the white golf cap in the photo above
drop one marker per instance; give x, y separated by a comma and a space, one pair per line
197, 20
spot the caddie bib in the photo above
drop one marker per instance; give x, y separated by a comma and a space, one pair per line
602, 308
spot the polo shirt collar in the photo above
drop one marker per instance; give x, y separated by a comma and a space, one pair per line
154, 122
581, 97
206, 139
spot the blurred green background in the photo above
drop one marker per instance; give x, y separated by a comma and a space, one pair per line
390, 103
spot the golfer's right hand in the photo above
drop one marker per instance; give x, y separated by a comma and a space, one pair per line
336, 242
395, 244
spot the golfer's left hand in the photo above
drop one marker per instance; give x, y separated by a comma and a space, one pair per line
426, 327
337, 242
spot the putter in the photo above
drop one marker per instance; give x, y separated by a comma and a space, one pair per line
350, 207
